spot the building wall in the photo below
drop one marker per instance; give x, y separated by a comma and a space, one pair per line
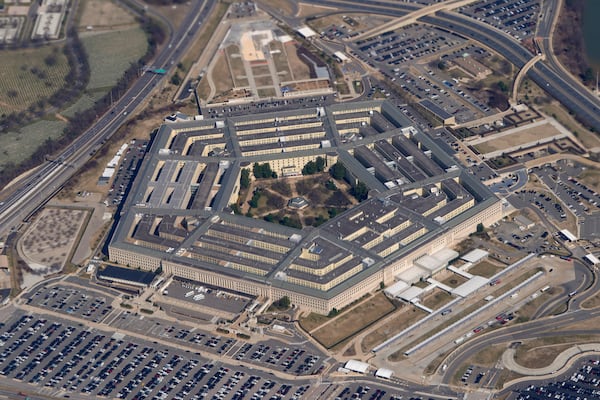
387, 274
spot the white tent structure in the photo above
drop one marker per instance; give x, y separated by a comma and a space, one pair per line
384, 373
357, 366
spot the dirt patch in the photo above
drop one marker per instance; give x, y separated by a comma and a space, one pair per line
353, 320
312, 321
521, 137
485, 268
454, 280
50, 240
300, 70
436, 299
221, 75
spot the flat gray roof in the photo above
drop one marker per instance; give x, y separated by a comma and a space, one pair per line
159, 228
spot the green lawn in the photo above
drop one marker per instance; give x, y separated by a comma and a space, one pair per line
111, 53
30, 74
17, 146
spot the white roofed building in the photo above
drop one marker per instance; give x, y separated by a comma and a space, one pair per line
475, 256
384, 373
357, 366
306, 32
592, 259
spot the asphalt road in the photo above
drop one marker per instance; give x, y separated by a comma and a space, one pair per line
554, 80
49, 178
546, 327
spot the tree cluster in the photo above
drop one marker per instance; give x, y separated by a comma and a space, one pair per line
313, 167
244, 179
78, 78
337, 171
263, 171
360, 191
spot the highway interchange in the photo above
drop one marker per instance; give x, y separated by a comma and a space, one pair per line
36, 189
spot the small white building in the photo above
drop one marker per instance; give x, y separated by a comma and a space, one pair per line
565, 233
306, 32
474, 256
357, 366
341, 57
384, 373
592, 259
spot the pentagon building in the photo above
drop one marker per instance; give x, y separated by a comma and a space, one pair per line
177, 216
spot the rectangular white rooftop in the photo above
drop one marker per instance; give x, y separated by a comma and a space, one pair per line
470, 286
396, 288
592, 259
410, 294
357, 366
384, 373
566, 233
413, 274
305, 31
475, 256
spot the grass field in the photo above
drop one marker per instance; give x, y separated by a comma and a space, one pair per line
521, 137
354, 320
401, 320
17, 146
111, 53
30, 74
104, 14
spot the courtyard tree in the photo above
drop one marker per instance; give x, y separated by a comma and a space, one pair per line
245, 179
337, 171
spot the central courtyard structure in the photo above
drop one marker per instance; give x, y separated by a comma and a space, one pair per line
178, 215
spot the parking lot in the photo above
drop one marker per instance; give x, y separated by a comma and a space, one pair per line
516, 17
91, 305
581, 384
129, 165
410, 43
64, 357
543, 202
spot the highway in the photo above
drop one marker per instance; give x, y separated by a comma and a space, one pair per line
551, 78
34, 190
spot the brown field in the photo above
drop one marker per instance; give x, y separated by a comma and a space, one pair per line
454, 280
299, 69
592, 301
539, 353
258, 70
264, 80
51, 238
312, 321
310, 85
436, 299
266, 92
485, 269
280, 60
402, 319
353, 320
102, 14
220, 75
518, 138
285, 6
236, 66
591, 177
